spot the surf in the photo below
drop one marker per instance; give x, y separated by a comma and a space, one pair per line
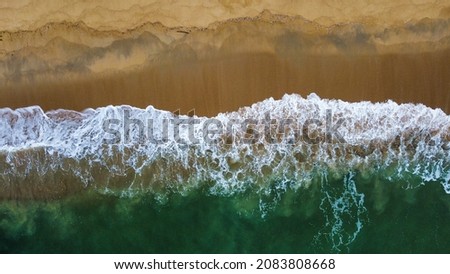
277, 157
59, 152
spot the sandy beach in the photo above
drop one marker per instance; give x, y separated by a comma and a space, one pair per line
77, 56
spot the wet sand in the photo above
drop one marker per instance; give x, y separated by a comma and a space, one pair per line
225, 84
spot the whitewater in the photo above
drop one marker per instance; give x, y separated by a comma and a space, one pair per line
271, 149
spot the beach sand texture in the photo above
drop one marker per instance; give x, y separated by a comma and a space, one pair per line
221, 55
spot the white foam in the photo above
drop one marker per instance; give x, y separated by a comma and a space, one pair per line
405, 138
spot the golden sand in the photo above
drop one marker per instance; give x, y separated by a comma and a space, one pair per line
221, 55
123, 15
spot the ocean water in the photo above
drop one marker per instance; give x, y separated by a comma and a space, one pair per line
296, 175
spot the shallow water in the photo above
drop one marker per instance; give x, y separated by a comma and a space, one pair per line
393, 219
67, 186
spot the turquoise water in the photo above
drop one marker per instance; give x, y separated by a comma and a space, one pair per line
393, 219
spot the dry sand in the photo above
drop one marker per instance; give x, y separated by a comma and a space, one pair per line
122, 15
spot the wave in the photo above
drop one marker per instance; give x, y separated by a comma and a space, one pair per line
270, 148
126, 149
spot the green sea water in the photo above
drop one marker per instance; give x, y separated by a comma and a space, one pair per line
350, 215
379, 184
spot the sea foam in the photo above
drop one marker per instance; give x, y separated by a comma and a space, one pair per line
78, 150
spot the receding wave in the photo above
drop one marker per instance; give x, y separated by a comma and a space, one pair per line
270, 149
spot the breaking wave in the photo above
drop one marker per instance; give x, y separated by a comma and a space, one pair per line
271, 148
